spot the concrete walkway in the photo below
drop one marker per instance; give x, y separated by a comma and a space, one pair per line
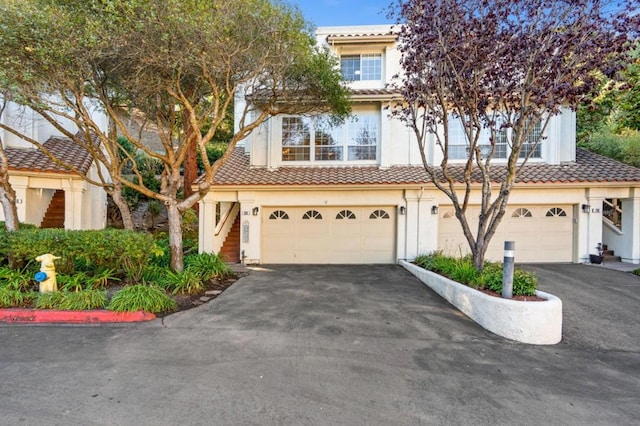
333, 345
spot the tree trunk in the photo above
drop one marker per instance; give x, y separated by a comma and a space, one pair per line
125, 212
8, 201
175, 237
478, 252
190, 165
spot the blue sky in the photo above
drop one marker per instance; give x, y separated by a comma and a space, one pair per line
344, 12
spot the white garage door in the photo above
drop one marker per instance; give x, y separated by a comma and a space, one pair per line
541, 233
348, 235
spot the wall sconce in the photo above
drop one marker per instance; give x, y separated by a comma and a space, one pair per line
586, 208
403, 210
434, 209
255, 211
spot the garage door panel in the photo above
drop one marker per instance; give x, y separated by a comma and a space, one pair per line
343, 235
539, 238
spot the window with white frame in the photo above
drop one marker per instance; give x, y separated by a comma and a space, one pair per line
361, 67
459, 145
315, 139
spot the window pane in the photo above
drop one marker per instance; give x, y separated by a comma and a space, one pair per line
350, 66
363, 138
457, 149
295, 154
533, 135
371, 67
296, 139
328, 153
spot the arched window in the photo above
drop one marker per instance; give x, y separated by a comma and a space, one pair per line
312, 214
556, 212
279, 214
521, 212
379, 214
345, 214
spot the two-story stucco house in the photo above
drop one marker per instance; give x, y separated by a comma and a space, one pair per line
299, 191
49, 195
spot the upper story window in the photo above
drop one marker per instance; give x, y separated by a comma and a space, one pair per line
459, 147
361, 67
314, 139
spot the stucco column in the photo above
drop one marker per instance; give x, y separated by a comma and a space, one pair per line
20, 185
421, 226
73, 205
631, 227
206, 218
250, 214
594, 225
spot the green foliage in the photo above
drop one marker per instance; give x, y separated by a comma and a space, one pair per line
216, 150
11, 298
149, 298
623, 146
636, 272
81, 300
75, 282
49, 300
111, 249
101, 278
463, 271
187, 281
207, 266
16, 280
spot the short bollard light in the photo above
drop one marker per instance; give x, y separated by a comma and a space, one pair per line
507, 269
47, 275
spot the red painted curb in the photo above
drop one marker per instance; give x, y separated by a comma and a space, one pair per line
30, 316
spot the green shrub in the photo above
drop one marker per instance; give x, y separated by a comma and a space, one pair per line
75, 282
207, 265
154, 274
114, 249
83, 300
149, 298
11, 298
16, 280
49, 300
463, 271
183, 282
636, 271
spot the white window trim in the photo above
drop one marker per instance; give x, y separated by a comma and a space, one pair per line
344, 138
485, 138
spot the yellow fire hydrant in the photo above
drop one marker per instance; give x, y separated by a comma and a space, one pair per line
47, 275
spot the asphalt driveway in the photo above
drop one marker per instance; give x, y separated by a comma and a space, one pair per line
328, 345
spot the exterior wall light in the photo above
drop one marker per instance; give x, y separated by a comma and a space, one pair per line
434, 209
586, 208
403, 210
255, 211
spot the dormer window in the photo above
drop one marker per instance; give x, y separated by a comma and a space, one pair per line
364, 67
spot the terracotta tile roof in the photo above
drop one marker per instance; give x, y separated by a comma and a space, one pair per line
375, 92
27, 159
589, 167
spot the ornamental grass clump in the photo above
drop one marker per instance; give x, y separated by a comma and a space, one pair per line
462, 270
207, 265
11, 298
148, 298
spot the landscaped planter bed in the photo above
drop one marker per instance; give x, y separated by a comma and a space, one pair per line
533, 322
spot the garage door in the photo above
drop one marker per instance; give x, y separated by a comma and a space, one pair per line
348, 235
541, 233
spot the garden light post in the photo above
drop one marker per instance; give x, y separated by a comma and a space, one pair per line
507, 269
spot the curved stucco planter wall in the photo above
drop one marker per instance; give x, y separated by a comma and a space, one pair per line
538, 323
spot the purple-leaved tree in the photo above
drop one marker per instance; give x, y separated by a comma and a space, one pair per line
500, 69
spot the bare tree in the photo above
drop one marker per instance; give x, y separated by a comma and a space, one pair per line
500, 69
